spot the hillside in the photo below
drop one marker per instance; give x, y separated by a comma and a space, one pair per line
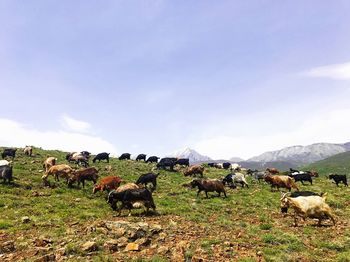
339, 164
302, 155
39, 223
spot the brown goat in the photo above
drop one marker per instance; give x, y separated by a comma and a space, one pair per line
49, 162
193, 170
90, 174
107, 183
208, 185
63, 170
281, 181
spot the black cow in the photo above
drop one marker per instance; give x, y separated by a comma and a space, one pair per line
152, 159
167, 162
141, 157
101, 156
298, 194
9, 152
124, 156
226, 165
183, 162
130, 197
302, 177
339, 179
6, 173
148, 178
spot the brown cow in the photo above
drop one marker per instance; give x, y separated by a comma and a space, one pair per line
281, 181
193, 170
107, 183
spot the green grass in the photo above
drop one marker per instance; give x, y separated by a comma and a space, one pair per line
247, 217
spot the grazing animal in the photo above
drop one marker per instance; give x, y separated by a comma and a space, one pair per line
308, 207
272, 170
62, 170
80, 159
152, 159
107, 183
291, 170
125, 156
86, 154
236, 167
167, 162
141, 157
183, 162
211, 164
259, 175
281, 181
298, 194
6, 173
90, 174
208, 185
231, 179
339, 179
194, 170
28, 151
5, 163
148, 178
101, 156
9, 152
127, 186
49, 162
226, 165
313, 173
301, 176
129, 197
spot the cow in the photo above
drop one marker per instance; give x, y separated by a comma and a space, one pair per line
107, 183
49, 162
194, 170
183, 162
148, 178
226, 165
9, 152
233, 178
152, 159
301, 176
281, 181
62, 170
141, 157
28, 151
125, 156
308, 207
129, 197
272, 171
166, 162
298, 194
339, 179
90, 174
101, 156
208, 185
6, 173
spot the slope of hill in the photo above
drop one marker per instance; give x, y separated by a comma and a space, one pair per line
39, 223
302, 155
280, 165
339, 164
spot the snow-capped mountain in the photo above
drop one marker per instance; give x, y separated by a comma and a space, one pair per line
303, 154
191, 154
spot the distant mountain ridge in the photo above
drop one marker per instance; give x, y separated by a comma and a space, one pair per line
191, 154
302, 155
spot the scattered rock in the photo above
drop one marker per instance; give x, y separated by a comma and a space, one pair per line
119, 232
46, 258
89, 246
162, 250
42, 242
111, 245
132, 247
7, 247
25, 220
143, 241
122, 242
259, 253
155, 229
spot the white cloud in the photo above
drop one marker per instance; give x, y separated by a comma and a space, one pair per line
332, 127
74, 125
335, 71
18, 135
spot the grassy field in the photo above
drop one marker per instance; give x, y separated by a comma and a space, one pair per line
246, 226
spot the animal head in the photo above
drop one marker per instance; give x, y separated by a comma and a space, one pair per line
194, 183
284, 202
96, 188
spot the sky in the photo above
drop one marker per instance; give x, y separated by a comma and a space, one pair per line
226, 78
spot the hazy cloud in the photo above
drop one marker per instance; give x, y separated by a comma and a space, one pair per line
335, 71
74, 124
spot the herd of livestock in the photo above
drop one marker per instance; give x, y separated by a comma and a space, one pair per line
133, 195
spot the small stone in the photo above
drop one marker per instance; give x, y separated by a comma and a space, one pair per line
77, 199
155, 229
162, 236
122, 242
89, 246
143, 241
7, 247
111, 245
132, 247
46, 258
25, 220
162, 250
119, 232
259, 253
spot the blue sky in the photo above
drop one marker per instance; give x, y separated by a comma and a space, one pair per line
227, 78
